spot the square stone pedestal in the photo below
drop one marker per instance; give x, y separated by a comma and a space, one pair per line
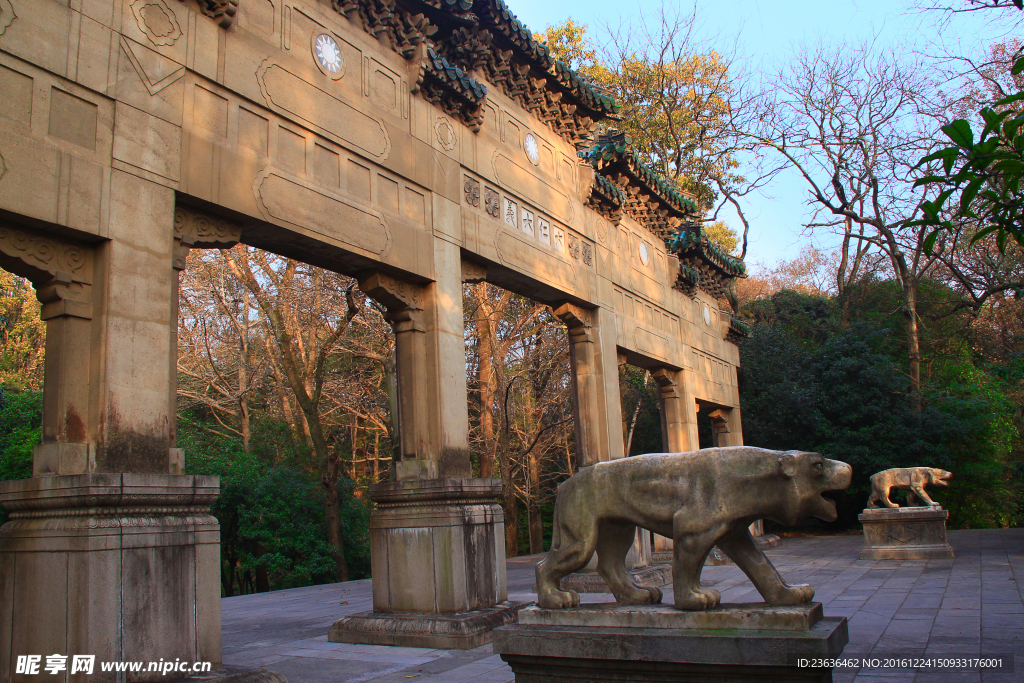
437, 555
732, 643
125, 567
906, 533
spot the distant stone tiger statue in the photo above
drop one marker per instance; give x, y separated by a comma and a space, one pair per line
909, 479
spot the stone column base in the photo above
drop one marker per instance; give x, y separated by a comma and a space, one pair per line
732, 643
439, 631
906, 533
125, 567
437, 555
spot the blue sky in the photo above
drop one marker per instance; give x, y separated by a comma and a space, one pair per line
764, 34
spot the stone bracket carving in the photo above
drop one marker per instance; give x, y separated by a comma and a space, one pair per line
667, 382
62, 297
195, 229
60, 270
403, 300
719, 421
578, 320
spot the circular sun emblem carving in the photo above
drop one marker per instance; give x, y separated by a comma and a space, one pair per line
532, 148
644, 256
328, 54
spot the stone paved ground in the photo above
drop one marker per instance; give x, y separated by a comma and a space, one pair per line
966, 606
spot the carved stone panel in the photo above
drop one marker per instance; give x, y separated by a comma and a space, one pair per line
472, 189
492, 202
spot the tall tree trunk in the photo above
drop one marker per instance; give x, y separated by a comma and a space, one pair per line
333, 509
913, 343
508, 488
485, 351
243, 375
536, 521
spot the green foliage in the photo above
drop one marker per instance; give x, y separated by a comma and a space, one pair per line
982, 174
806, 383
21, 419
273, 524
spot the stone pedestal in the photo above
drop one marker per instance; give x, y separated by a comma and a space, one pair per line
437, 551
125, 567
751, 642
906, 533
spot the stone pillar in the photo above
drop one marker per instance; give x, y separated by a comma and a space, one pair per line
437, 541
62, 271
678, 429
109, 550
596, 404
678, 416
433, 426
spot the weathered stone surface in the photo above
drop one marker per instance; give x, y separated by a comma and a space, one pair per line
907, 533
700, 499
230, 676
744, 617
559, 654
443, 631
99, 562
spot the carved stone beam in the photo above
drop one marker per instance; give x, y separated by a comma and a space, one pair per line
199, 230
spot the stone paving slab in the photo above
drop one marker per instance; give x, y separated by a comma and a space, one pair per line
941, 608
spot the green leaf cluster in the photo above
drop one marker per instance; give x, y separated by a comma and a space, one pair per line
979, 176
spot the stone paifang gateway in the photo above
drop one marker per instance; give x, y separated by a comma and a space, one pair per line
415, 145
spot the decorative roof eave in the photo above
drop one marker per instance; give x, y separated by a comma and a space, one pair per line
452, 89
614, 152
738, 330
695, 242
221, 11
483, 36
497, 14
606, 198
608, 191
